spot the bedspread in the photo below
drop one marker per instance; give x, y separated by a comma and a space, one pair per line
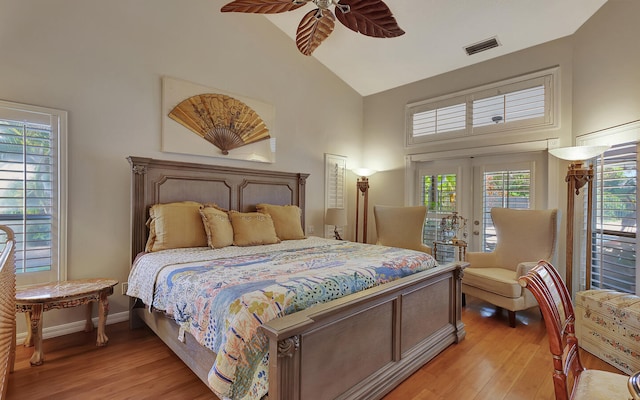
222, 297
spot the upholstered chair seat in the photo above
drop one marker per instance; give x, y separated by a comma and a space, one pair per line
523, 238
401, 227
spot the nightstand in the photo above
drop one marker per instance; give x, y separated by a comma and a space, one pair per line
33, 300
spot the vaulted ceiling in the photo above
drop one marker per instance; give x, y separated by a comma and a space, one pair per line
437, 32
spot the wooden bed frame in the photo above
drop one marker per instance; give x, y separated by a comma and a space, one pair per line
357, 347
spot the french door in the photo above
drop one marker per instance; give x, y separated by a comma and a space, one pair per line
471, 187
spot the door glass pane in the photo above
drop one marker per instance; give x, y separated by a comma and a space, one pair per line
613, 263
438, 194
504, 189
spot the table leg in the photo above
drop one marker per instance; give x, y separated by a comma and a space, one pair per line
36, 329
103, 311
88, 326
28, 341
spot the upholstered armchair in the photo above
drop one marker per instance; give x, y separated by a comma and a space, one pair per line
524, 237
401, 227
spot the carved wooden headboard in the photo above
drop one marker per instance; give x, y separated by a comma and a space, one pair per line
160, 181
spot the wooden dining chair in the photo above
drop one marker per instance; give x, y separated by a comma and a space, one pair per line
570, 379
634, 386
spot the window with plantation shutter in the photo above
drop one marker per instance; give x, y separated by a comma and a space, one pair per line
335, 188
31, 188
504, 189
613, 264
510, 107
439, 120
517, 104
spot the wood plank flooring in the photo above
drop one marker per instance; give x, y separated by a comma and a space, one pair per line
493, 362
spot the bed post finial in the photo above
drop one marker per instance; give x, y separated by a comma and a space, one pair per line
138, 217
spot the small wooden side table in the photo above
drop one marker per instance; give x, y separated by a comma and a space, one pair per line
33, 300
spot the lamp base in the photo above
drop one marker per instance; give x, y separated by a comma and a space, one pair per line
336, 233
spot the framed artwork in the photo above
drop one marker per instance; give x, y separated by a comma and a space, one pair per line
205, 121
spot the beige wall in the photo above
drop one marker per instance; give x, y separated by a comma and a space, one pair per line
606, 74
384, 116
599, 88
102, 61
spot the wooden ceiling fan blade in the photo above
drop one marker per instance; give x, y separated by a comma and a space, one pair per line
314, 28
262, 6
369, 17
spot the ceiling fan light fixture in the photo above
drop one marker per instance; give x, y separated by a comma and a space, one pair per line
368, 17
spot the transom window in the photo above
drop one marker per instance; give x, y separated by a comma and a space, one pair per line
516, 104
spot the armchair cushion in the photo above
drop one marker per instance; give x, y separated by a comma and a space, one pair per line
401, 227
500, 281
482, 260
523, 238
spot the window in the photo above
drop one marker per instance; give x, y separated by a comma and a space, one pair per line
439, 120
438, 194
505, 189
32, 188
510, 107
613, 264
516, 104
335, 188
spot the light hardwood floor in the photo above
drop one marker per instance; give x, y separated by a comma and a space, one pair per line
493, 362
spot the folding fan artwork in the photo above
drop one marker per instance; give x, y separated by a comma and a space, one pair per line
369, 17
225, 122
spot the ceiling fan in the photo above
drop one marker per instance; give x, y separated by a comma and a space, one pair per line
369, 17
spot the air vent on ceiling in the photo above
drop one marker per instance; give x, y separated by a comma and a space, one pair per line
482, 46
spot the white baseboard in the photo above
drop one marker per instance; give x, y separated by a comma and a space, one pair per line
72, 327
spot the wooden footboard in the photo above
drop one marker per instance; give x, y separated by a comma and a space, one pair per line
357, 347
363, 345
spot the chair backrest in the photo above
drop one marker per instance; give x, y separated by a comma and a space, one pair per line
524, 235
7, 310
634, 385
547, 286
401, 227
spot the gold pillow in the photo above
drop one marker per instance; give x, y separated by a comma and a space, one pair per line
286, 219
217, 226
251, 229
175, 225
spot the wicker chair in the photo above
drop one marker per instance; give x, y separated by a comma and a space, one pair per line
7, 310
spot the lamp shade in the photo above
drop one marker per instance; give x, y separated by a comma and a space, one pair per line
336, 217
578, 153
366, 172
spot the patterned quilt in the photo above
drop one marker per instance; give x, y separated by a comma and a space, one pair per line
222, 296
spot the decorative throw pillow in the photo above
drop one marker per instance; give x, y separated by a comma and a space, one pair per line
175, 225
251, 229
286, 219
217, 226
